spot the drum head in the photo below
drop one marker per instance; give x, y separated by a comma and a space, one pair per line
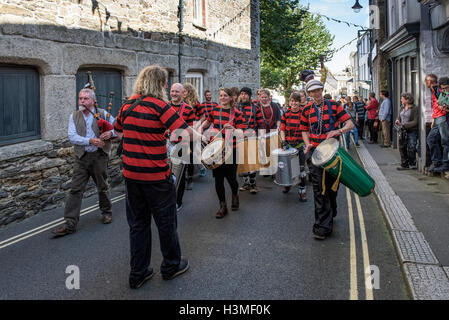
212, 149
286, 152
325, 151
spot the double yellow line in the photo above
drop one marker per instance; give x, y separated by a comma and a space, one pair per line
50, 225
353, 291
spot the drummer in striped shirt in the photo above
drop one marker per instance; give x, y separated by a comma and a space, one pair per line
319, 121
188, 115
253, 121
228, 118
291, 137
206, 107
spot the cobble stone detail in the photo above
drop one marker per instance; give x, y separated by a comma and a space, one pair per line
414, 248
428, 282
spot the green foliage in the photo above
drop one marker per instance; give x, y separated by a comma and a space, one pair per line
291, 40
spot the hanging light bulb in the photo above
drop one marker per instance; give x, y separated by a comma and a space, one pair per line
357, 7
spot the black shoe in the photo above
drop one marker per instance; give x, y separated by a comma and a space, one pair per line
183, 267
357, 145
147, 277
178, 207
402, 168
319, 237
63, 231
438, 169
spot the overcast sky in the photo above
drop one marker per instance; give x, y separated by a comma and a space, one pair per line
341, 10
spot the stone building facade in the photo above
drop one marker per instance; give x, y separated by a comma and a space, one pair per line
214, 42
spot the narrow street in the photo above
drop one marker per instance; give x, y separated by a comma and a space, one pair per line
263, 251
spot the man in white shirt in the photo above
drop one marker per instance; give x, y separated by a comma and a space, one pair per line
92, 150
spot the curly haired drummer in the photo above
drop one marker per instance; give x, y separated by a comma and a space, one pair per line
319, 122
291, 137
228, 118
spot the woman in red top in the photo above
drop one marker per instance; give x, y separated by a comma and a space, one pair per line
228, 118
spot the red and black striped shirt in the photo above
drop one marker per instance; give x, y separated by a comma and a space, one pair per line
310, 120
220, 116
144, 142
204, 109
290, 124
188, 113
251, 120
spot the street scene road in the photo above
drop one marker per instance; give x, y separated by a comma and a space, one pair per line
265, 250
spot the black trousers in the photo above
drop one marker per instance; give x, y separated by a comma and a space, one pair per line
228, 172
372, 131
142, 202
360, 127
325, 205
182, 186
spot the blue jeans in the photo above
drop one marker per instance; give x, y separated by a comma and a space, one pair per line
407, 148
355, 132
142, 202
439, 135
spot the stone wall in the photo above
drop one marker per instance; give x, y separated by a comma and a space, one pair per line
40, 181
60, 37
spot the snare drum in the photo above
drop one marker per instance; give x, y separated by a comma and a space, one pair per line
215, 154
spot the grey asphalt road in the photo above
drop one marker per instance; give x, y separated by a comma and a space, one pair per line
263, 251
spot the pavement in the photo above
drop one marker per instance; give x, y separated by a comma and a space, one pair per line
416, 210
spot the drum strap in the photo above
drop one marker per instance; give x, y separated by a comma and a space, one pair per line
334, 188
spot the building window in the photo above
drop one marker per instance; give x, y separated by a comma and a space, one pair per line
19, 104
196, 79
199, 13
105, 80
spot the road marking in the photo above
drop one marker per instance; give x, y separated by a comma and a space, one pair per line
353, 292
366, 262
51, 224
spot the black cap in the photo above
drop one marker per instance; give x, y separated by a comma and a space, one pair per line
246, 90
306, 75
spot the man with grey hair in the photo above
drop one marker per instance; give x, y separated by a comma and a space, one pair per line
92, 150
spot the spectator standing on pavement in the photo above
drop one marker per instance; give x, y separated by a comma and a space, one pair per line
408, 133
150, 190
359, 107
373, 122
92, 151
318, 122
354, 117
440, 129
384, 118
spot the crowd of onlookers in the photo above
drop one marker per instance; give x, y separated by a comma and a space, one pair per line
372, 117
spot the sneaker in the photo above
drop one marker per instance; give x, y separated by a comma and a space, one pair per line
107, 218
319, 237
183, 267
245, 187
302, 195
440, 169
357, 145
254, 189
178, 207
402, 168
140, 283
413, 167
433, 167
63, 231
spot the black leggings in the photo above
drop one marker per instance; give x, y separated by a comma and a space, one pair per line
228, 171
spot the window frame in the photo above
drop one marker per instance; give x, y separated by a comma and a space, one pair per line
34, 133
201, 20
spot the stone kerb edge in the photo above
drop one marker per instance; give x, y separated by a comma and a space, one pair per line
418, 285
